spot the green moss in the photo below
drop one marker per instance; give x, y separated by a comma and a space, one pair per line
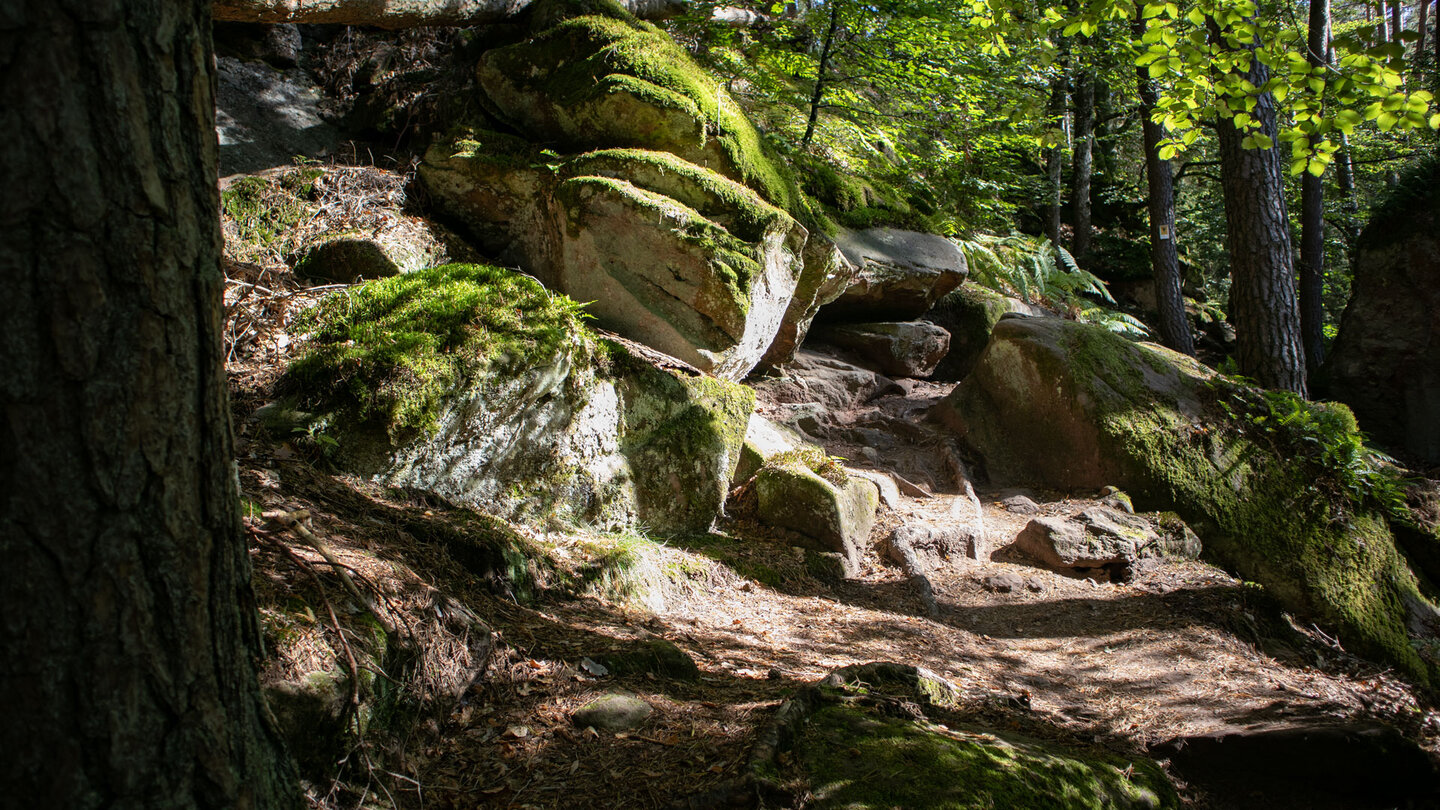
391, 350
584, 56
859, 762
734, 261
738, 208
812, 458
262, 210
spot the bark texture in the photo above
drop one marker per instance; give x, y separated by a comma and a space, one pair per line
1312, 219
1257, 236
403, 13
1164, 256
129, 625
1083, 163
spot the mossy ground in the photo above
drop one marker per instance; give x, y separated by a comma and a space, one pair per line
859, 761
391, 350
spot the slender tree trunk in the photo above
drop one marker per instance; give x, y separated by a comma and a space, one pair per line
1395, 21
1257, 236
1083, 162
129, 626
818, 95
1164, 257
1420, 53
1312, 219
1055, 158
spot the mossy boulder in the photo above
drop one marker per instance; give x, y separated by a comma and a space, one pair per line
764, 440
665, 274
1072, 406
969, 314
594, 76
477, 384
654, 656
807, 492
348, 258
671, 254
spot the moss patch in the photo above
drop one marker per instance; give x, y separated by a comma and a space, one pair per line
391, 350
859, 761
591, 51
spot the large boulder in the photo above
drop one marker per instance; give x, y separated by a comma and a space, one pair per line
901, 274
476, 384
825, 276
829, 381
806, 492
594, 76
1386, 361
911, 349
1102, 543
968, 314
1073, 406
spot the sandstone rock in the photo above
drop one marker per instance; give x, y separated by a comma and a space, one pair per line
901, 274
825, 276
594, 77
555, 424
837, 512
405, 247
935, 546
1020, 505
613, 712
764, 440
1004, 582
968, 314
910, 349
654, 656
1071, 406
1386, 360
833, 383
1099, 543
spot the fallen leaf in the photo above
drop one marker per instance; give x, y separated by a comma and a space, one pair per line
518, 732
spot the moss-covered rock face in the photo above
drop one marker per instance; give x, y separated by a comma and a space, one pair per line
475, 383
595, 76
859, 760
1072, 406
806, 491
969, 314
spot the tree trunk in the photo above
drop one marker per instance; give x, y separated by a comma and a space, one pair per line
1164, 258
1420, 53
130, 629
817, 96
1084, 99
403, 13
1395, 22
1257, 236
1312, 219
1054, 159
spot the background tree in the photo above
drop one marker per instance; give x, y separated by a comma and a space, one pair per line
130, 629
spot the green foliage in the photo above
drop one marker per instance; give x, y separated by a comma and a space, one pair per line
815, 460
1038, 272
392, 349
1323, 434
260, 212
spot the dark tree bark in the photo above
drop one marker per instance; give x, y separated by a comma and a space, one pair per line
1395, 28
1164, 258
1257, 236
1420, 53
1083, 162
129, 625
403, 13
817, 95
1055, 159
1312, 218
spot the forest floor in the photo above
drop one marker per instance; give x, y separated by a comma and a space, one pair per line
1184, 650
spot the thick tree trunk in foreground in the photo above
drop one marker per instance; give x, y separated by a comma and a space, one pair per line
1083, 163
129, 626
1312, 219
1257, 235
1164, 257
403, 13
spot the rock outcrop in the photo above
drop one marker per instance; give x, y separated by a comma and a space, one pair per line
1386, 361
476, 384
1102, 543
968, 314
911, 349
901, 274
676, 228
1072, 406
